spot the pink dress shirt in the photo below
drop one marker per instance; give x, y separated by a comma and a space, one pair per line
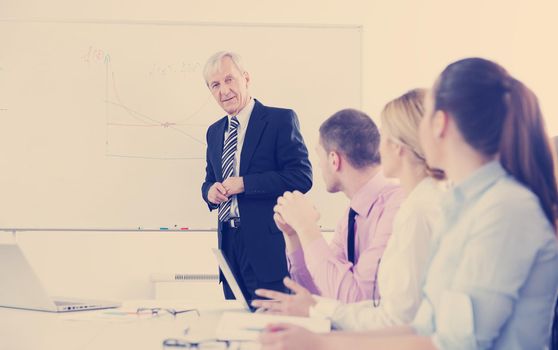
325, 269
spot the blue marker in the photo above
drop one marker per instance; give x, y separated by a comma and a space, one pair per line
163, 228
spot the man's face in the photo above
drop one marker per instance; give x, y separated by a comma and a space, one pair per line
229, 87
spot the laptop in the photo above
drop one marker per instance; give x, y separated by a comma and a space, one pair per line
247, 327
22, 289
231, 280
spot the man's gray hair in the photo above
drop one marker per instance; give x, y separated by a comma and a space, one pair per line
214, 63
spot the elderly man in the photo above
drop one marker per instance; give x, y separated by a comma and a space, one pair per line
254, 154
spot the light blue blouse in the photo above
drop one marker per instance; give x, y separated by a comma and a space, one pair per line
493, 277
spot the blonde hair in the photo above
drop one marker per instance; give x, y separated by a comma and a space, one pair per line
400, 121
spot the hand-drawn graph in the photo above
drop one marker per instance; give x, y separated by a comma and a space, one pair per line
133, 133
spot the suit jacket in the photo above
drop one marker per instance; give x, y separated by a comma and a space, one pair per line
274, 159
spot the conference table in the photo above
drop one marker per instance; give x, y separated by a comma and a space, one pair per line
120, 328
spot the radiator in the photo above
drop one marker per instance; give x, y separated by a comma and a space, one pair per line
185, 286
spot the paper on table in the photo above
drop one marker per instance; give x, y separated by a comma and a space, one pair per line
245, 326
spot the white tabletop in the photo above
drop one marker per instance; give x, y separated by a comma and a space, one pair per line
110, 329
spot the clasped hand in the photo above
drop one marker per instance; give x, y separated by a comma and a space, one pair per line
295, 214
220, 192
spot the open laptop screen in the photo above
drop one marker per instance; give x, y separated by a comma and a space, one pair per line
231, 280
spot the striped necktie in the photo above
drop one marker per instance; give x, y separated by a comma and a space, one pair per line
227, 165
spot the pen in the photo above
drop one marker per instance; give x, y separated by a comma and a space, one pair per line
253, 329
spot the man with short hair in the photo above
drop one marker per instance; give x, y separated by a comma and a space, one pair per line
346, 269
254, 154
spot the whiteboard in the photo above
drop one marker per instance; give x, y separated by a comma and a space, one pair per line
103, 123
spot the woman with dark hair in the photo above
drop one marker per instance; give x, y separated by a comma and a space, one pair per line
492, 281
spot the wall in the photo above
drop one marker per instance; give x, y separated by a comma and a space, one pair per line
406, 43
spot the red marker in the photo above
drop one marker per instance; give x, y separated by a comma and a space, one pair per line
184, 228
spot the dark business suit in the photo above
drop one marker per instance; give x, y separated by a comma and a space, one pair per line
274, 159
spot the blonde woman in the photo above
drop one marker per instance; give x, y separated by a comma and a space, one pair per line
401, 270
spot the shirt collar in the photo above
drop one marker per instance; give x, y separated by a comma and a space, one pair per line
477, 182
244, 115
368, 194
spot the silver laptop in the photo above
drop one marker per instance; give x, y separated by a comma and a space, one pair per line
22, 289
231, 280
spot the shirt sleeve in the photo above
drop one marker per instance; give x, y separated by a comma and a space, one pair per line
298, 268
299, 272
359, 316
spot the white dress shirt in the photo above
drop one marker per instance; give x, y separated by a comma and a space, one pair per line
401, 271
243, 118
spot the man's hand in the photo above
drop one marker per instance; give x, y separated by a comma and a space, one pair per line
297, 211
234, 185
217, 193
283, 226
297, 304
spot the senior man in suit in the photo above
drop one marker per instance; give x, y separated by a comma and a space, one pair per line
254, 154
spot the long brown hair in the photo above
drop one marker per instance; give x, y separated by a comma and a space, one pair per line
498, 115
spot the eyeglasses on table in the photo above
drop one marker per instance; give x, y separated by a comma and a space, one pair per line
204, 345
156, 311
